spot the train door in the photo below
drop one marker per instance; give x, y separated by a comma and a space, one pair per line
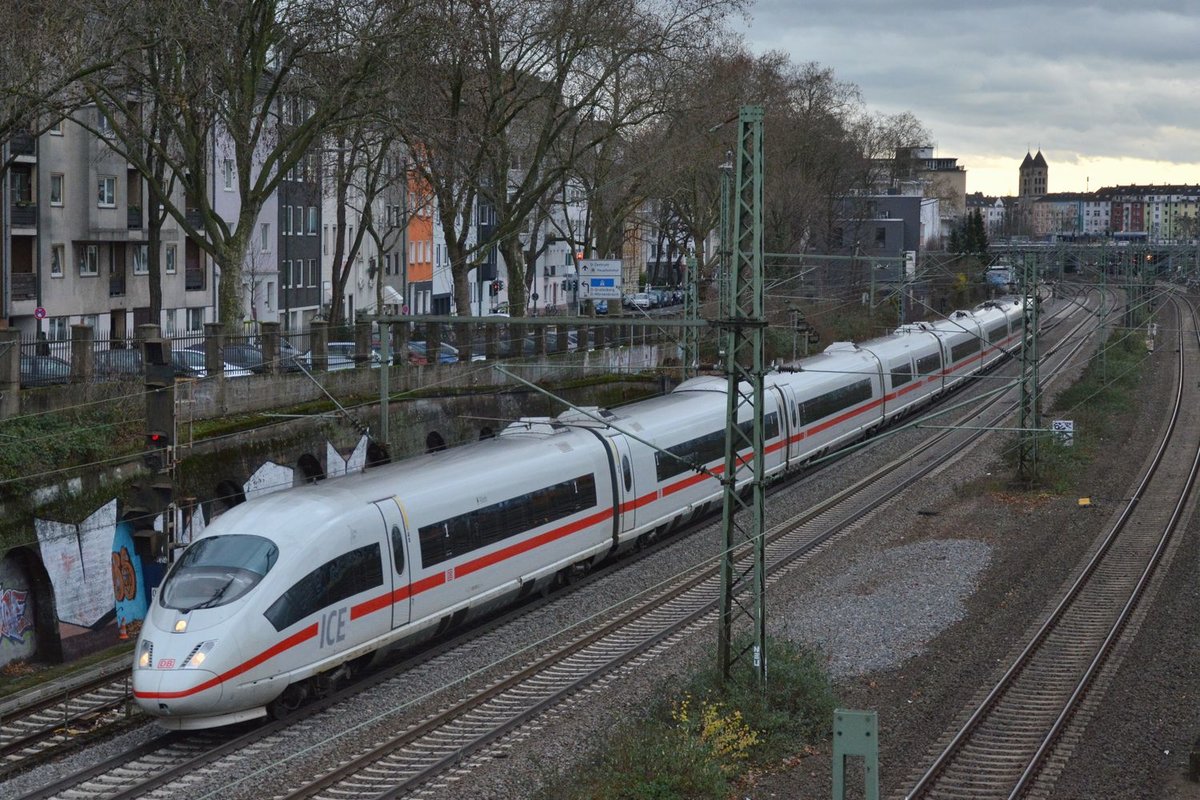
784, 405
626, 483
401, 563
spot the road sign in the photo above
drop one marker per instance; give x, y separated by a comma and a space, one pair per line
39, 313
600, 279
1064, 429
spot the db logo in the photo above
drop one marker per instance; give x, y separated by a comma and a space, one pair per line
166, 663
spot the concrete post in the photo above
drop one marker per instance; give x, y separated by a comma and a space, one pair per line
270, 346
582, 338
362, 344
539, 340
142, 333
491, 350
10, 372
214, 348
319, 332
601, 337
83, 356
560, 338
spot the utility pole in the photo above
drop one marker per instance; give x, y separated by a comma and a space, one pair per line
1027, 455
743, 325
691, 335
723, 257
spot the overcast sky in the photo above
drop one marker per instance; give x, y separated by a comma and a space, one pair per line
1109, 90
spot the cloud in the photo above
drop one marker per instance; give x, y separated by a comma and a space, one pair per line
1102, 80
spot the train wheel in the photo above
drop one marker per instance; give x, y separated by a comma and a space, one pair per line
289, 702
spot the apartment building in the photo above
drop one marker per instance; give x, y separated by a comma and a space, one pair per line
76, 242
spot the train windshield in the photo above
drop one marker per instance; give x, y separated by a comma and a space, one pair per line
217, 570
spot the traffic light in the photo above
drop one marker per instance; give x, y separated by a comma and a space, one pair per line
160, 404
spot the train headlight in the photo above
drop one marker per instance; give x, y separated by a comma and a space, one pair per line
145, 654
181, 625
199, 655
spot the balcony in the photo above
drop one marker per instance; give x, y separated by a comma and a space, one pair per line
193, 279
24, 214
22, 144
24, 285
116, 286
135, 218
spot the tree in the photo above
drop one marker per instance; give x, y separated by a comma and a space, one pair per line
45, 50
255, 83
528, 90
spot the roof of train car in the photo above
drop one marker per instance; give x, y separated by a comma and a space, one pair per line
317, 506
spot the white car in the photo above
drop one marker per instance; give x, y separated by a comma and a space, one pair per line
194, 362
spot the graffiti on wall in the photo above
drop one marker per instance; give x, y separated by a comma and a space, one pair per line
129, 587
336, 464
17, 635
78, 559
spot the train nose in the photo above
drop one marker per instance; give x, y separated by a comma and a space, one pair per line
176, 692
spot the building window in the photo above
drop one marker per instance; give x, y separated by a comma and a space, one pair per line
106, 192
227, 170
270, 293
56, 128
325, 240
287, 221
312, 220
265, 237
312, 272
58, 328
141, 264
90, 263
57, 254
170, 259
56, 189
285, 274
298, 220
195, 320
103, 123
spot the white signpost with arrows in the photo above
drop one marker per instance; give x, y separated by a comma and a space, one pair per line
600, 279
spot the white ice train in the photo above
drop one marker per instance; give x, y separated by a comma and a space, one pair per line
285, 592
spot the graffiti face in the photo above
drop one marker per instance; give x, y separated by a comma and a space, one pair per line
124, 576
14, 622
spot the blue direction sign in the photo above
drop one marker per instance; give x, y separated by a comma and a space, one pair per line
600, 279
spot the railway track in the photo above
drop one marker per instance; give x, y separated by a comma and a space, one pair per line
152, 769
35, 730
1003, 747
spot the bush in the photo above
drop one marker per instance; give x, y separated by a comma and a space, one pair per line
693, 747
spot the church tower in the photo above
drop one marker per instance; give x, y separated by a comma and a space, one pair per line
1033, 175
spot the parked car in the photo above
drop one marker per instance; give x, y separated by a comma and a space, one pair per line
290, 358
44, 371
123, 364
641, 300
601, 307
191, 364
340, 355
246, 356
418, 353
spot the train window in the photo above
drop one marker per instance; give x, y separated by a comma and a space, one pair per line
901, 374
927, 365
998, 332
345, 576
463, 533
964, 349
710, 447
627, 473
398, 548
217, 570
830, 403
795, 416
